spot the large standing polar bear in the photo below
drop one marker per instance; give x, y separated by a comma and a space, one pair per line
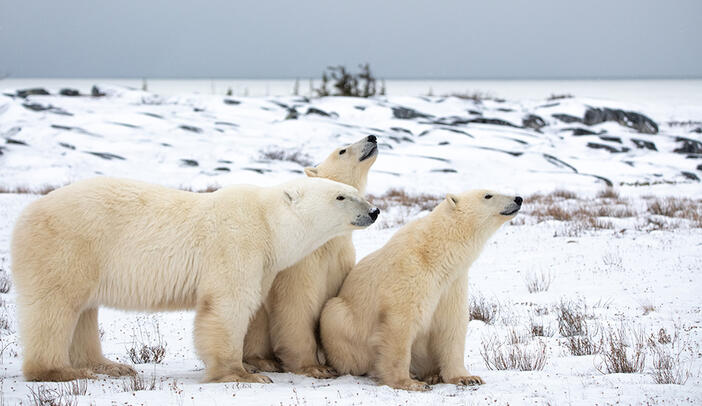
286, 325
402, 309
136, 246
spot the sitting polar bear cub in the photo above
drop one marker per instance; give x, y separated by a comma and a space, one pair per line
402, 309
135, 246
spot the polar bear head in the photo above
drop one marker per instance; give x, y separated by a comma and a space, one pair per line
348, 164
328, 206
484, 209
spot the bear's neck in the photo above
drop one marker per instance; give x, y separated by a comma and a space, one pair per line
458, 246
292, 238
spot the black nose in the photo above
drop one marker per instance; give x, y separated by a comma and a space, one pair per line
374, 213
518, 200
372, 138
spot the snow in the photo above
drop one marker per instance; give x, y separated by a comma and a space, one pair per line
614, 271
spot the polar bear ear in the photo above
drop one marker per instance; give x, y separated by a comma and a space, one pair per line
292, 196
311, 171
452, 199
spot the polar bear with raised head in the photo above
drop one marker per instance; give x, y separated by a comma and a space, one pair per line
402, 310
285, 328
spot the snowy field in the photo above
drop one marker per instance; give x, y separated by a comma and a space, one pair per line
609, 241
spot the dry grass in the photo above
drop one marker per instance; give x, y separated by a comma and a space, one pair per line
40, 190
541, 328
63, 394
622, 351
279, 154
208, 189
572, 318
5, 283
480, 308
147, 346
400, 197
500, 354
538, 281
135, 383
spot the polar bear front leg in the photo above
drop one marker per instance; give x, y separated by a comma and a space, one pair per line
448, 335
220, 326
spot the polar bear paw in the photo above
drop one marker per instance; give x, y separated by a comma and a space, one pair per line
244, 377
317, 371
410, 384
112, 369
466, 380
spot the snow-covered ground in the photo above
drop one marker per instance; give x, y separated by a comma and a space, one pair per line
638, 267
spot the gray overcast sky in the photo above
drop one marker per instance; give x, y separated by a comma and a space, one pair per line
401, 39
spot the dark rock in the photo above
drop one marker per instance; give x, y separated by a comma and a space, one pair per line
445, 170
492, 121
224, 161
125, 124
567, 118
49, 108
313, 110
62, 127
697, 130
96, 92
14, 141
66, 145
688, 146
226, 123
690, 175
611, 149
533, 121
444, 143
423, 133
543, 106
360, 107
69, 92
223, 169
232, 102
154, 115
513, 153
401, 130
198, 109
557, 162
404, 113
36, 107
611, 139
476, 112
105, 155
292, 114
400, 139
505, 110
637, 121
189, 162
577, 131
190, 128
257, 170
165, 144
699, 167
37, 91
643, 144
455, 130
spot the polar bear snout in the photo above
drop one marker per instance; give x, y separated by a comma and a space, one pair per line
367, 219
513, 207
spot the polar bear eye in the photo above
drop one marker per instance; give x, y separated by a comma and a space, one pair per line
340, 197
488, 196
342, 152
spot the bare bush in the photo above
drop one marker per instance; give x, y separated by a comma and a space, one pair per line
572, 318
622, 351
668, 367
608, 193
279, 154
147, 346
503, 354
586, 344
362, 84
480, 308
560, 96
138, 382
541, 328
538, 281
40, 190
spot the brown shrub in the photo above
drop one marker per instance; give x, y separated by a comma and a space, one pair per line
503, 354
279, 154
622, 351
400, 197
480, 308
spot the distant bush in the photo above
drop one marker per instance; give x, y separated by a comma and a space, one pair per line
361, 84
279, 154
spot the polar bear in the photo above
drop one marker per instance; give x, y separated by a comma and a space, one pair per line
136, 246
285, 327
402, 310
